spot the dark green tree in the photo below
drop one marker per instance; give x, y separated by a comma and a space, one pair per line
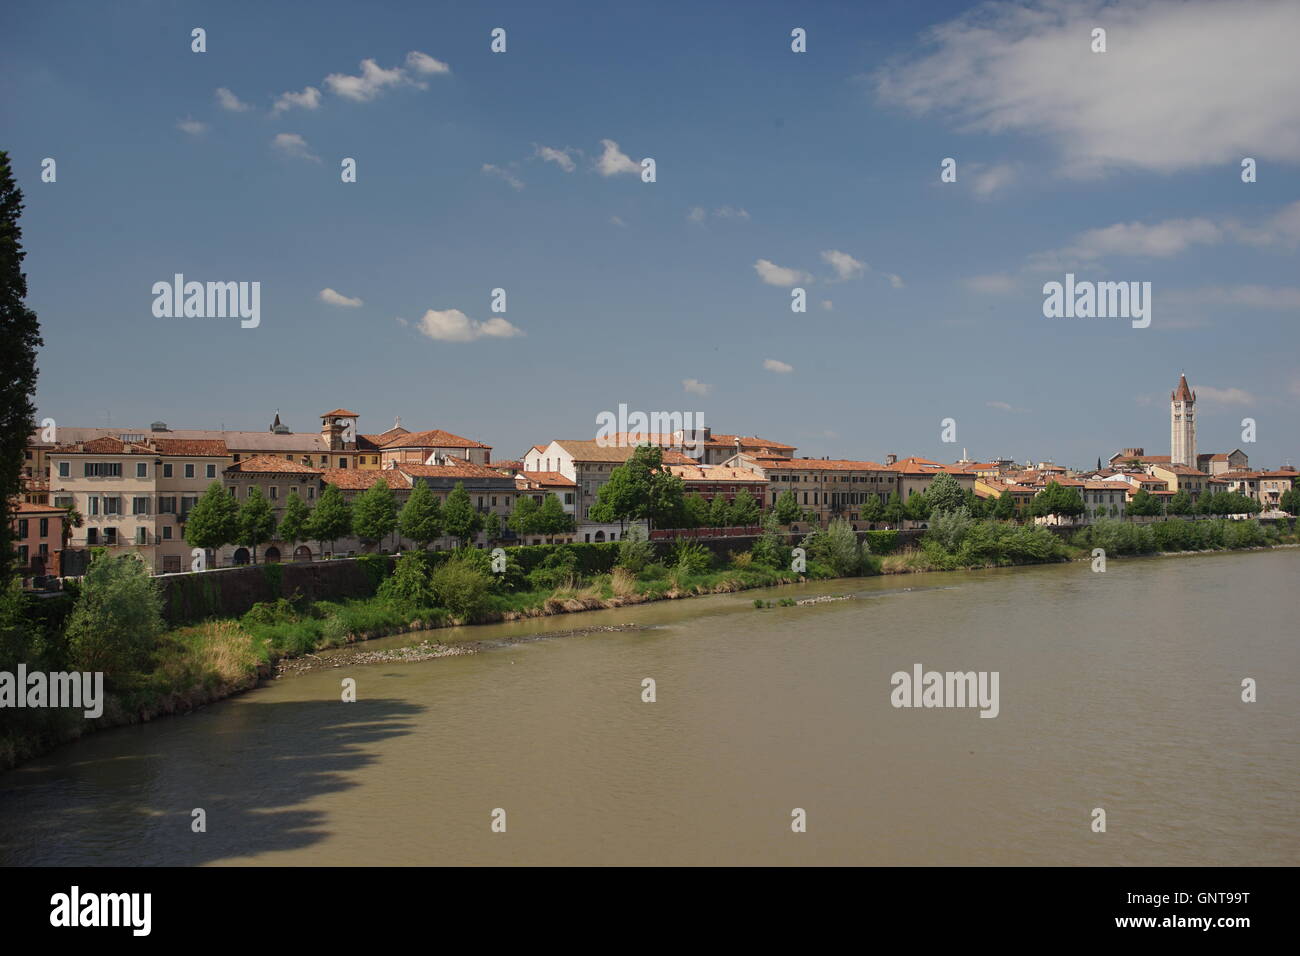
214, 519
552, 519
895, 511
524, 519
944, 494
256, 521
331, 519
787, 508
459, 518
374, 514
696, 509
293, 524
20, 337
745, 511
421, 517
719, 512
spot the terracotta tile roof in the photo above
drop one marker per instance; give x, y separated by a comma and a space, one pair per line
27, 508
544, 478
822, 464
746, 441
594, 451
196, 447
715, 473
269, 464
340, 413
454, 468
1182, 393
433, 438
103, 446
359, 479
1183, 470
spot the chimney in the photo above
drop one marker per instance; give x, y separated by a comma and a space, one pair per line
891, 459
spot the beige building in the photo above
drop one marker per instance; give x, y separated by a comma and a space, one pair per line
588, 464
827, 487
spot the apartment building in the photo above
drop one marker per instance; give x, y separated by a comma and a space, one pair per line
588, 464
38, 537
135, 495
710, 481
827, 487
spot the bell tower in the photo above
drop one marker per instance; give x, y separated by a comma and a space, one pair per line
1182, 425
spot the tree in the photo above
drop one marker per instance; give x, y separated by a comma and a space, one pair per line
768, 549
1179, 504
20, 337
1145, 505
214, 520
917, 507
696, 510
1005, 509
331, 519
944, 494
71, 519
117, 619
719, 512
635, 551
374, 514
552, 519
642, 487
256, 521
421, 517
524, 519
895, 511
492, 527
872, 508
787, 508
1290, 501
1057, 500
293, 526
744, 509
837, 547
459, 518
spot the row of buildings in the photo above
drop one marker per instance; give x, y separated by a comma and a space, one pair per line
135, 489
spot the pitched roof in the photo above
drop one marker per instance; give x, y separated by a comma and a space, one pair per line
27, 508
544, 478
359, 479
821, 464
195, 447
340, 413
1182, 393
452, 468
432, 438
596, 451
711, 473
270, 464
746, 441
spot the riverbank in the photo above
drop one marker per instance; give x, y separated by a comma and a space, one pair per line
216, 659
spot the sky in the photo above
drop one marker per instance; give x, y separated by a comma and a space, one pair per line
773, 170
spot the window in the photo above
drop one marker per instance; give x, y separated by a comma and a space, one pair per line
44, 550
140, 536
166, 504
112, 505
311, 492
22, 554
167, 470
275, 492
22, 527
92, 505
65, 469
324, 461
343, 462
236, 457
103, 469
167, 532
92, 536
187, 504
212, 471
110, 536
45, 527
189, 470
139, 506
141, 469
568, 497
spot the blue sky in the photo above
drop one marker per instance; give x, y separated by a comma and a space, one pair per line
1115, 166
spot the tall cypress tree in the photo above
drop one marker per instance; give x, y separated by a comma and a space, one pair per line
20, 337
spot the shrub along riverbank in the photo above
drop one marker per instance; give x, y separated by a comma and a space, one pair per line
112, 621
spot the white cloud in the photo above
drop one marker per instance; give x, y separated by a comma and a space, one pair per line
896, 281
1183, 84
773, 274
330, 297
423, 63
308, 99
614, 161
291, 144
774, 365
696, 387
1282, 228
845, 266
505, 174
192, 126
697, 214
373, 80
1224, 396
560, 157
229, 101
989, 179
453, 325
996, 284
1159, 241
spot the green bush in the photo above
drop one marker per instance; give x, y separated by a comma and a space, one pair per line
408, 586
461, 588
881, 542
635, 551
117, 620
691, 558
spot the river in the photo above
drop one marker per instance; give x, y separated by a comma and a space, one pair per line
1119, 690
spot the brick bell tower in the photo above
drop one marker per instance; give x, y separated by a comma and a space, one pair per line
1182, 424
